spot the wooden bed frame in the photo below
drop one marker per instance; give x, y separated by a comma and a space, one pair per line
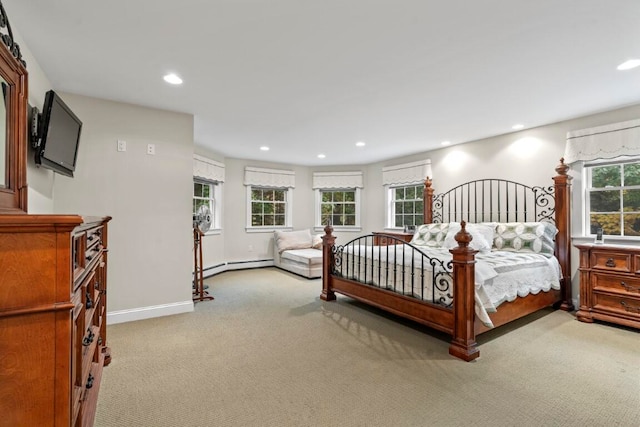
459, 320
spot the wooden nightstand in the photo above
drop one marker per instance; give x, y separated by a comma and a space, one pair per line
610, 284
380, 237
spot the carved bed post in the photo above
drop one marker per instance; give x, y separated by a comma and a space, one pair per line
427, 197
328, 240
463, 344
562, 187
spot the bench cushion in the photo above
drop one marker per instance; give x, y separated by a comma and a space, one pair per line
309, 257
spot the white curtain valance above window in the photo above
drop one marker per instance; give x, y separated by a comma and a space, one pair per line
603, 142
207, 169
272, 178
329, 180
407, 173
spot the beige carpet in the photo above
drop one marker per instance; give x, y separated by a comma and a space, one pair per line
269, 352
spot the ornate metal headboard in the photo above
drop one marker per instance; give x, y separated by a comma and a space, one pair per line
497, 200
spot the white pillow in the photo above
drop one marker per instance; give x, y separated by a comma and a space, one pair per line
286, 240
482, 236
317, 241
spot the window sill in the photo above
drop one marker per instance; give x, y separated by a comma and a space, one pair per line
266, 229
319, 228
611, 240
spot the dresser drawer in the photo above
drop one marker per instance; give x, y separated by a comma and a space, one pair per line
611, 261
618, 304
619, 284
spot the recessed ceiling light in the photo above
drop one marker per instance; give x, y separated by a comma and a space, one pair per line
321, 156
173, 79
445, 143
360, 144
627, 65
517, 127
264, 148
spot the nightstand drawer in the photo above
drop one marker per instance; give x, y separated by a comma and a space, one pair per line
618, 284
611, 261
618, 304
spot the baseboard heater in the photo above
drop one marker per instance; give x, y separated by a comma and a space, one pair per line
236, 265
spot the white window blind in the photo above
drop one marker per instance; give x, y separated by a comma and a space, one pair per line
603, 142
407, 173
328, 180
271, 178
207, 169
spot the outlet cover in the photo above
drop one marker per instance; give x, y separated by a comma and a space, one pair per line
122, 145
151, 149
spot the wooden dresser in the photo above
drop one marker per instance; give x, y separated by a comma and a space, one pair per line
610, 284
380, 237
53, 341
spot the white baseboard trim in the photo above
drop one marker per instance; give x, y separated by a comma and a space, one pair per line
141, 313
149, 312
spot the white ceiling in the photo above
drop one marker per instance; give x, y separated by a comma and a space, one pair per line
310, 77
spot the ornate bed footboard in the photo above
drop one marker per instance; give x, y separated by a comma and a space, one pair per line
405, 281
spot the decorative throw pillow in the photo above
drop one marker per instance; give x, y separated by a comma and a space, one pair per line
286, 240
317, 241
431, 235
482, 235
532, 237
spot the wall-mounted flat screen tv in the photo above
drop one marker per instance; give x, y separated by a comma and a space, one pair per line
59, 135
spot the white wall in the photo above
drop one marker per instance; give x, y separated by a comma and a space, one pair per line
39, 181
149, 198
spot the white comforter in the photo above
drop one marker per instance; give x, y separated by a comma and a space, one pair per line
499, 276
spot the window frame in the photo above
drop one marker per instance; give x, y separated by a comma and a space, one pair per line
318, 211
215, 203
390, 203
288, 216
587, 168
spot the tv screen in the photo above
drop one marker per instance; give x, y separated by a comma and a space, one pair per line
59, 136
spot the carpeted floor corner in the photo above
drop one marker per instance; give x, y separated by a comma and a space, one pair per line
268, 352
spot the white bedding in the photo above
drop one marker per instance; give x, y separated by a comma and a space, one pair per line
500, 276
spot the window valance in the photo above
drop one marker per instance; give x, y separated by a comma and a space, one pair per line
603, 142
407, 173
273, 178
207, 169
328, 180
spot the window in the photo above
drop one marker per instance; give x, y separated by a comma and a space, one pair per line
613, 198
338, 199
407, 206
207, 194
339, 206
268, 207
269, 198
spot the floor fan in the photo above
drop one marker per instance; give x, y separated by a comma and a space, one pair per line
201, 224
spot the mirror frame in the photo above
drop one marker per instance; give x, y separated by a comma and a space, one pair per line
13, 196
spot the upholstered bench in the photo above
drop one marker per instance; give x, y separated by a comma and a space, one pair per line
298, 252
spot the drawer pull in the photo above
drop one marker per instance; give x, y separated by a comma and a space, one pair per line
630, 308
630, 288
610, 263
90, 381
